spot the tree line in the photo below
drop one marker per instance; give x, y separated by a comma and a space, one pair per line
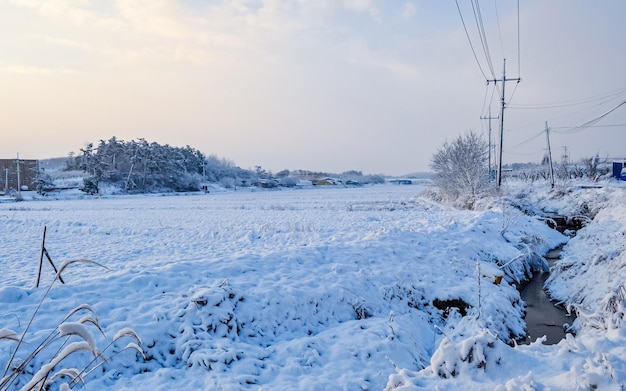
139, 166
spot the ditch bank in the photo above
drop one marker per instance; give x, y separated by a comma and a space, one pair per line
544, 316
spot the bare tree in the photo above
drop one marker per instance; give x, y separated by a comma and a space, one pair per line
460, 168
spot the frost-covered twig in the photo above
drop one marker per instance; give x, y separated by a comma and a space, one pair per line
511, 261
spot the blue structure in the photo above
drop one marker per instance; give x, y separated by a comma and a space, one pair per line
619, 171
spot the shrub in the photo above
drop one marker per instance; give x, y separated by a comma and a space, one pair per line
460, 168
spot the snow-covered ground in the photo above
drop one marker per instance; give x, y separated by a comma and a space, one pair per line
316, 289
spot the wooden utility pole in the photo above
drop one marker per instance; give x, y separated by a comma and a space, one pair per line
19, 181
550, 155
503, 105
489, 118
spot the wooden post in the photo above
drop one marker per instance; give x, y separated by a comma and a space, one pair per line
45, 252
43, 249
54, 267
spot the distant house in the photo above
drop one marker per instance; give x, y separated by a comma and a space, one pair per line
304, 183
324, 182
266, 183
401, 181
327, 182
27, 178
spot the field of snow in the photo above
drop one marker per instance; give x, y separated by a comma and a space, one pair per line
342, 288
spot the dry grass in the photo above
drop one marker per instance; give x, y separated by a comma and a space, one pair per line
68, 338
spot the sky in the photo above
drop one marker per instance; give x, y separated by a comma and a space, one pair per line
369, 85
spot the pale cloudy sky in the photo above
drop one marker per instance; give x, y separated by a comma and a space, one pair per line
328, 85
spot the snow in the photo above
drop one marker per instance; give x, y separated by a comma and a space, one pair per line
316, 289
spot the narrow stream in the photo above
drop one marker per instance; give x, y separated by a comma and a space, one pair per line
543, 317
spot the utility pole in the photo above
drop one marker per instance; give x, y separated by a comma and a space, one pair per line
6, 181
489, 118
550, 155
19, 184
503, 105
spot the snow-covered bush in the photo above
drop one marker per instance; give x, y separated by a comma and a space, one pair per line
477, 352
227, 182
460, 168
467, 358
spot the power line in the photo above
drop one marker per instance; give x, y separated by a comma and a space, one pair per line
515, 89
469, 39
575, 129
519, 57
587, 124
495, 5
493, 91
527, 140
536, 106
555, 129
483, 36
577, 114
592, 126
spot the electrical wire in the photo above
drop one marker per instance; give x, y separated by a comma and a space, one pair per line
591, 122
495, 5
514, 91
481, 33
493, 91
592, 126
575, 102
571, 130
469, 39
528, 140
485, 99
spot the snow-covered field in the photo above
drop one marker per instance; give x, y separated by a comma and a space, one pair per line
317, 289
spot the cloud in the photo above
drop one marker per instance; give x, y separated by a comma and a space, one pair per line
365, 6
163, 18
408, 11
64, 42
31, 70
131, 31
68, 10
25, 70
399, 68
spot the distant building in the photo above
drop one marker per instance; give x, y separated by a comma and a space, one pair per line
618, 170
304, 183
401, 181
27, 178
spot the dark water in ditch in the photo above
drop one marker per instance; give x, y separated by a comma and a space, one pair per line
543, 317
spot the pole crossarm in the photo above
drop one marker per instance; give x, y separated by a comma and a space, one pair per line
489, 81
